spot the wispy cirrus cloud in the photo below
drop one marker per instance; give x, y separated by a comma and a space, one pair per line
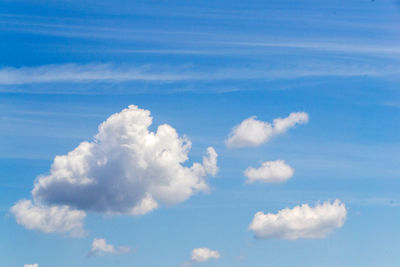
95, 73
81, 73
326, 45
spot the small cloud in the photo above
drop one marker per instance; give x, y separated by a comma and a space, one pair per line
31, 265
300, 222
269, 172
200, 255
252, 132
100, 248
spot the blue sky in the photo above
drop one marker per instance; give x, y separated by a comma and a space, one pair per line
203, 67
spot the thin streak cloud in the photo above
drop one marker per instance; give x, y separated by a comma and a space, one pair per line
109, 73
334, 46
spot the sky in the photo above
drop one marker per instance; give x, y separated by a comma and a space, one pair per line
199, 133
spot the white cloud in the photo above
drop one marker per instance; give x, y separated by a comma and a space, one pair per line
252, 132
77, 73
31, 265
300, 222
53, 219
100, 247
327, 45
127, 169
281, 125
202, 255
109, 73
270, 172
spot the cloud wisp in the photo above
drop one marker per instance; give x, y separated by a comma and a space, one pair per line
252, 132
127, 169
270, 172
100, 248
328, 46
300, 222
83, 73
110, 74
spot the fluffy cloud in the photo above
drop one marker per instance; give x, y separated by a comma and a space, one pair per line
127, 169
31, 265
300, 222
202, 255
53, 219
100, 247
270, 172
252, 132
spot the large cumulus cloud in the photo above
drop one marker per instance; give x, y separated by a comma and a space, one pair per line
127, 169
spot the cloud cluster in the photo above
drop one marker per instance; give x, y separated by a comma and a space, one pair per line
31, 265
252, 132
100, 247
300, 222
270, 172
49, 219
127, 169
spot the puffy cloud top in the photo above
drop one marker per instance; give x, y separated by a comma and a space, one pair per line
127, 169
31, 265
252, 132
300, 222
270, 172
